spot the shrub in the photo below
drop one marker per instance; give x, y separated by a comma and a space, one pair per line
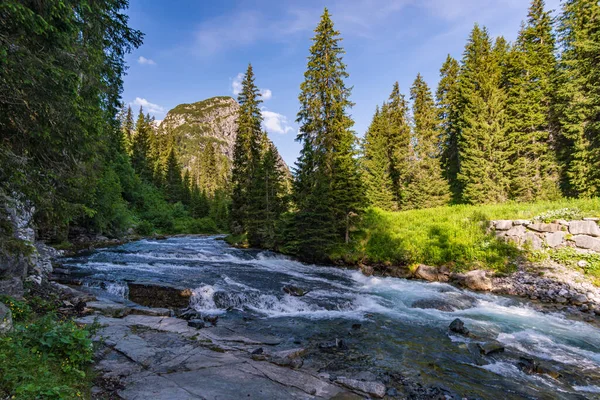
43, 358
144, 228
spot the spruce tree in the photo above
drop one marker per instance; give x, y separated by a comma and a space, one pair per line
127, 128
531, 66
173, 184
246, 154
328, 172
269, 197
186, 194
397, 130
141, 148
577, 103
426, 187
448, 104
376, 165
483, 145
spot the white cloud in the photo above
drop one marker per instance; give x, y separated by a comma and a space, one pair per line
236, 84
266, 94
276, 123
236, 87
145, 61
148, 107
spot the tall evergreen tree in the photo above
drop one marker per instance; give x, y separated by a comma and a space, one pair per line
329, 190
426, 187
246, 156
578, 97
448, 104
269, 196
397, 129
186, 194
376, 165
483, 146
128, 129
141, 148
531, 67
173, 184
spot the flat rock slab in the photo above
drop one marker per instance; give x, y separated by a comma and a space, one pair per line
162, 358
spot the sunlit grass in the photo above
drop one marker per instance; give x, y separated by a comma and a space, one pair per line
454, 235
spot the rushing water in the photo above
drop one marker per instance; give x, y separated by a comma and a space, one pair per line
393, 335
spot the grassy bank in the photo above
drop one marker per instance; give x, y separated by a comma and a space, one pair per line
454, 235
46, 356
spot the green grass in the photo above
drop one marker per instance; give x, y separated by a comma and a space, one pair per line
453, 235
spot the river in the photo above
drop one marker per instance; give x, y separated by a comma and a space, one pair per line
374, 317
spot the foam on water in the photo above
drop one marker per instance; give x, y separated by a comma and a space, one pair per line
587, 389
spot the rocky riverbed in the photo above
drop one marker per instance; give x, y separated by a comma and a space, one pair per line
340, 330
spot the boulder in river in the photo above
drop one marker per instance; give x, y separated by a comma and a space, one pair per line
294, 291
474, 280
492, 347
159, 295
437, 304
531, 366
427, 273
451, 302
458, 326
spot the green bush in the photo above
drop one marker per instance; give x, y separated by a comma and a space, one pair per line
144, 228
203, 225
43, 358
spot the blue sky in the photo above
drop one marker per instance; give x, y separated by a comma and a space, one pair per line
196, 49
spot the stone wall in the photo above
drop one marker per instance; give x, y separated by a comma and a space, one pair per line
583, 235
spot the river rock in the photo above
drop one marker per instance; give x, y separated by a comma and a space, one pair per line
531, 366
518, 231
541, 227
5, 319
375, 389
587, 242
159, 295
211, 319
478, 280
427, 273
451, 302
196, 323
458, 326
492, 347
555, 239
294, 291
579, 299
503, 225
590, 228
533, 241
436, 304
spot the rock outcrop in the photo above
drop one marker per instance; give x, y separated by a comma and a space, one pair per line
21, 257
5, 319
